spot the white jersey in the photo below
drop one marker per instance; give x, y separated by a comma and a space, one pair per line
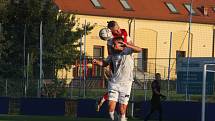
123, 65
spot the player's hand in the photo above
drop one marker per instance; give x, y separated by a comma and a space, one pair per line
163, 97
123, 44
94, 61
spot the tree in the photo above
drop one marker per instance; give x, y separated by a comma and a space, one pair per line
60, 38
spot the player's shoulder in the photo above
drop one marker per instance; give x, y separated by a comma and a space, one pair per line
110, 42
127, 51
123, 30
153, 82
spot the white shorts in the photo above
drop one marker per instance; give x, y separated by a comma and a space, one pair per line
119, 92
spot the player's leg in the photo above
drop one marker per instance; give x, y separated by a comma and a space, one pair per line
149, 114
124, 96
113, 98
112, 105
123, 100
153, 108
100, 103
160, 112
123, 108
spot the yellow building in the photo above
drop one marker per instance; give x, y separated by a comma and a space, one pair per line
150, 28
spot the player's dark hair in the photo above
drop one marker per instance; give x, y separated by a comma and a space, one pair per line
111, 24
157, 74
118, 38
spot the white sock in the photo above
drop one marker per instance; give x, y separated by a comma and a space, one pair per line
111, 115
123, 116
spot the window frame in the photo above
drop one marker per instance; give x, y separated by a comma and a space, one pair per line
170, 3
94, 4
101, 50
193, 12
127, 3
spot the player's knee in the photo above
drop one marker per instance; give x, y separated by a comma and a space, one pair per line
112, 105
124, 101
111, 108
123, 108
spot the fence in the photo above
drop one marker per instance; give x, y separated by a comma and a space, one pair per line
95, 83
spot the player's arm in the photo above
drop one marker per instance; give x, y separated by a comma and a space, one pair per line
129, 41
109, 48
157, 92
100, 63
155, 89
135, 49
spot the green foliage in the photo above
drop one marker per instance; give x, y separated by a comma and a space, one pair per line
60, 39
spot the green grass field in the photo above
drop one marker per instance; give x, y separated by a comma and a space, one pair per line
51, 118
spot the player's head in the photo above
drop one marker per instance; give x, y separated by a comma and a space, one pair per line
118, 44
157, 76
114, 27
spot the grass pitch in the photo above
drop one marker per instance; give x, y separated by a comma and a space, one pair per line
51, 118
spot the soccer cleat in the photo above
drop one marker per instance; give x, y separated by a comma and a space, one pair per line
98, 108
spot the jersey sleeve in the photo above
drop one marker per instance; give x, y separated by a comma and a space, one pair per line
127, 51
109, 47
108, 59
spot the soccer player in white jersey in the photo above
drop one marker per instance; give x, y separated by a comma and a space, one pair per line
119, 86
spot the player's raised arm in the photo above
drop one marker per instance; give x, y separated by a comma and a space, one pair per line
136, 49
100, 63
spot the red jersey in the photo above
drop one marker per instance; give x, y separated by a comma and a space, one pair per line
123, 34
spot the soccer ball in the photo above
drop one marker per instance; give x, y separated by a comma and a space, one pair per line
105, 34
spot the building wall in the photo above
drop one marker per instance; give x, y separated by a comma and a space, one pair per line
155, 36
65, 74
146, 31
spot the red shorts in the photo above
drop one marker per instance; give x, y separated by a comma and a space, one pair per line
105, 96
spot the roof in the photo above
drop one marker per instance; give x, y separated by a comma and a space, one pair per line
142, 9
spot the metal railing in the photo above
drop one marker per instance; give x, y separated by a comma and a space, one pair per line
95, 85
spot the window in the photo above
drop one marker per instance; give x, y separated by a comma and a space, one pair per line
188, 7
96, 3
125, 4
98, 51
180, 53
144, 59
171, 7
